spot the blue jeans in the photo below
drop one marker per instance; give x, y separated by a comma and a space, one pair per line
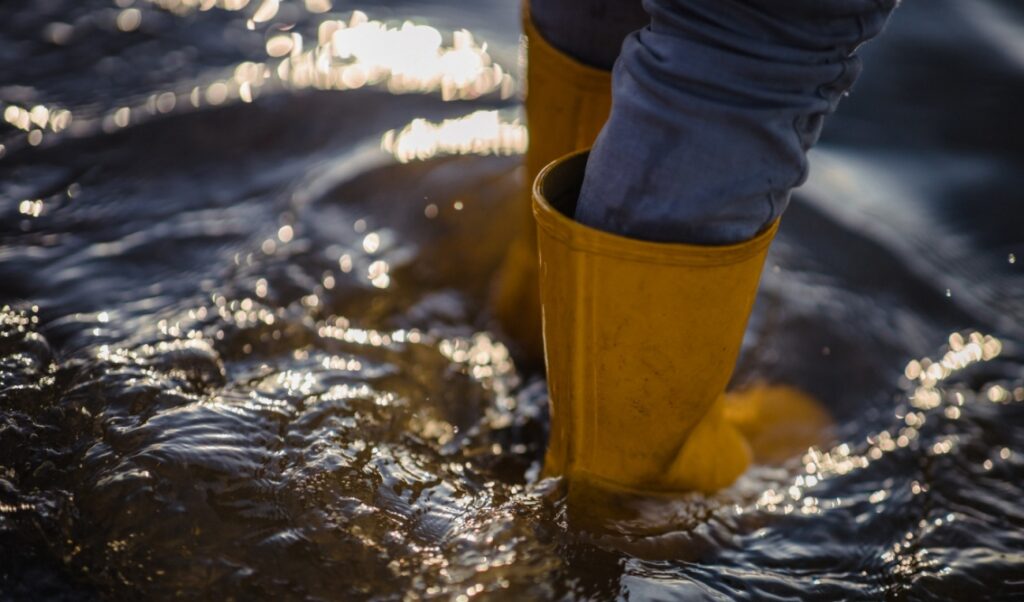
715, 104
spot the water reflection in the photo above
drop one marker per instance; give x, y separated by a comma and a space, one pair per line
409, 58
35, 121
345, 55
927, 398
221, 376
481, 133
186, 6
129, 19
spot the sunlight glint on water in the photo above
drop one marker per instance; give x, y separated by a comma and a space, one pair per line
245, 351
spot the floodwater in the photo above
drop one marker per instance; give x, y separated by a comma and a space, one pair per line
245, 353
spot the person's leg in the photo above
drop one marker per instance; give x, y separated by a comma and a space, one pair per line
571, 45
647, 292
590, 31
715, 106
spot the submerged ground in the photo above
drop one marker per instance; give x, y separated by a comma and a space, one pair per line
244, 349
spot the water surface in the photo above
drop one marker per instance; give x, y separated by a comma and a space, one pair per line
245, 249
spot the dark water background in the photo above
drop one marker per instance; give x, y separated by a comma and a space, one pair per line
244, 351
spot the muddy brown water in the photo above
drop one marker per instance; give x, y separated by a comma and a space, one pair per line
245, 354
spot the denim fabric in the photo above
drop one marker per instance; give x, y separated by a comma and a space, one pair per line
591, 31
714, 106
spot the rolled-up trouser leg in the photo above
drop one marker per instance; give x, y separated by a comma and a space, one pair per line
715, 105
590, 31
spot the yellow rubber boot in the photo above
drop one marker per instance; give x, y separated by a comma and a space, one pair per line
567, 104
778, 421
640, 341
